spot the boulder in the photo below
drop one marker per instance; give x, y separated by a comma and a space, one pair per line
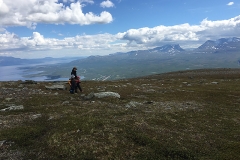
13, 108
101, 95
35, 116
106, 94
133, 104
89, 96
56, 87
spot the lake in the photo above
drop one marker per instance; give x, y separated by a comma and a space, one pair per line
16, 72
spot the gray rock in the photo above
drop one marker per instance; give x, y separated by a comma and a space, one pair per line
35, 116
56, 87
101, 95
2, 143
8, 99
214, 82
150, 90
65, 102
13, 108
89, 96
133, 104
106, 94
21, 86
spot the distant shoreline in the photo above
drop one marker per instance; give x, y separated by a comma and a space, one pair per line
190, 73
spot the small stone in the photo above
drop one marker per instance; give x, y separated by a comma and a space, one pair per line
89, 96
106, 94
56, 87
13, 108
36, 116
8, 99
20, 86
65, 102
2, 142
133, 104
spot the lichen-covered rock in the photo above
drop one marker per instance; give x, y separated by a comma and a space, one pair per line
89, 96
133, 104
56, 87
13, 108
101, 95
106, 94
35, 116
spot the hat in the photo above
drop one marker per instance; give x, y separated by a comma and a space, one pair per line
75, 68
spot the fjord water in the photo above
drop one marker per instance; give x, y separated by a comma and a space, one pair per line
18, 72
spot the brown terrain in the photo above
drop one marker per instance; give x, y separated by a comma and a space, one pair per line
192, 114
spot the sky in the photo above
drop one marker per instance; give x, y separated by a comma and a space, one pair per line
75, 28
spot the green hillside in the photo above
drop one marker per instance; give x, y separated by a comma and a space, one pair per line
190, 114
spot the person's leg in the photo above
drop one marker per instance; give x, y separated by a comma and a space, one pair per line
73, 85
76, 89
79, 87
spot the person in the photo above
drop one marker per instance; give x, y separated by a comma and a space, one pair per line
73, 79
72, 84
78, 81
74, 72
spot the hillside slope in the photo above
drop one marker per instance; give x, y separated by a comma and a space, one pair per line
179, 115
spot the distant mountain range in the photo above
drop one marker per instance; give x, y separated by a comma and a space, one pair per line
220, 45
223, 44
171, 49
222, 53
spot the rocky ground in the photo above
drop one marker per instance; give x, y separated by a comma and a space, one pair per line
178, 115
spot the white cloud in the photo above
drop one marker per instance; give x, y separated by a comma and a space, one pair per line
184, 33
107, 4
29, 13
37, 42
162, 33
3, 8
230, 3
133, 39
87, 1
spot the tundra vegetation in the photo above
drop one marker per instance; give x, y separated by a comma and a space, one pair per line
190, 114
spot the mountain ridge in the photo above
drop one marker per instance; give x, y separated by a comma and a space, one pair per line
137, 63
222, 44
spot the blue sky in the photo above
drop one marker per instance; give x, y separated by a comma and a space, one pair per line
62, 28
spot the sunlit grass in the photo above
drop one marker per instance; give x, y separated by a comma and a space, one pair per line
170, 120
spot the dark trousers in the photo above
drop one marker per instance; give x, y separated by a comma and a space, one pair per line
78, 87
73, 85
